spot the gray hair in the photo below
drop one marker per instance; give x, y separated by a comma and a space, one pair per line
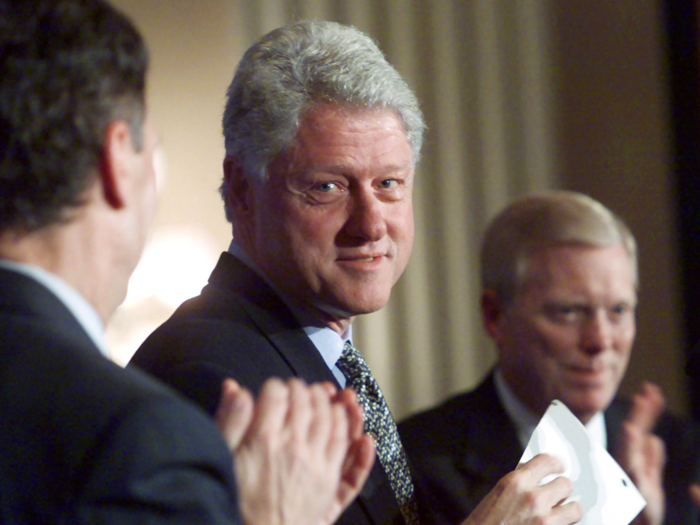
297, 67
542, 220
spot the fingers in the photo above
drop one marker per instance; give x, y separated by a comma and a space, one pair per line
642, 454
300, 410
519, 498
328, 427
694, 491
304, 450
356, 468
539, 467
330, 388
647, 406
554, 492
234, 413
338, 441
567, 514
356, 418
356, 454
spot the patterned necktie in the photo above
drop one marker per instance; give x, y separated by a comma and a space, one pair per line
380, 424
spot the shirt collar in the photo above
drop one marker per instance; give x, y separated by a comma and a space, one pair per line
525, 420
81, 309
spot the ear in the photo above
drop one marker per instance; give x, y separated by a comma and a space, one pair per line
493, 311
239, 191
116, 164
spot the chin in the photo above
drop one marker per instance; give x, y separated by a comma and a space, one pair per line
585, 409
345, 309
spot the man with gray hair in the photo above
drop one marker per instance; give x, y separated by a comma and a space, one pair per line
559, 280
322, 138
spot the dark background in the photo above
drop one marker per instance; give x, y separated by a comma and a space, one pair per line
682, 32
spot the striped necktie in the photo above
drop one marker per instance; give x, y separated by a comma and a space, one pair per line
380, 424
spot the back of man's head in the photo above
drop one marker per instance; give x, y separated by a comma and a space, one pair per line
67, 69
296, 67
542, 220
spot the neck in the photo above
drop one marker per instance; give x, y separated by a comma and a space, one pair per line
70, 252
338, 324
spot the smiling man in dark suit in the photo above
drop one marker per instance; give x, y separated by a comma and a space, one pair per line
322, 138
559, 280
81, 439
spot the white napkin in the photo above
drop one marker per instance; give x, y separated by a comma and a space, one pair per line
606, 493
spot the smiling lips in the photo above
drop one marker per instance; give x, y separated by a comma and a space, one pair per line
368, 263
586, 373
366, 258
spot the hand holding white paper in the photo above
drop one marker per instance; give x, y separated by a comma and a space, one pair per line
605, 492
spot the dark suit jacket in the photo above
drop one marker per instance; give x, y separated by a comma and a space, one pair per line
238, 327
84, 441
460, 449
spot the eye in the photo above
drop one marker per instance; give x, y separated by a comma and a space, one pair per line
564, 312
620, 310
327, 187
565, 309
389, 184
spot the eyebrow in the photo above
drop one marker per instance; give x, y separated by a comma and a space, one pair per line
344, 168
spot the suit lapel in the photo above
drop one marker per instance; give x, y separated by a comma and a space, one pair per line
241, 286
494, 449
614, 416
271, 316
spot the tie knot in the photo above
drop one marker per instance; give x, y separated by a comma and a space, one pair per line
351, 363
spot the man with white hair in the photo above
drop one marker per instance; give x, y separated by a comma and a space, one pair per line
559, 291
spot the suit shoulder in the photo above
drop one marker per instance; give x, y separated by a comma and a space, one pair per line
445, 422
198, 330
97, 432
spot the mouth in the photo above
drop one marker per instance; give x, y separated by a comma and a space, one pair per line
365, 258
363, 263
591, 373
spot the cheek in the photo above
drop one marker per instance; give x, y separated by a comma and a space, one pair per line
402, 231
623, 344
554, 342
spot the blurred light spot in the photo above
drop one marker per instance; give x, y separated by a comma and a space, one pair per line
175, 266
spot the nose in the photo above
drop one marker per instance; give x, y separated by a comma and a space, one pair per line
366, 220
597, 333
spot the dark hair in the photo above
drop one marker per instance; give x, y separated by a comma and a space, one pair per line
68, 68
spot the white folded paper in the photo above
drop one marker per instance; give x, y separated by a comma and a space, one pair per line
606, 493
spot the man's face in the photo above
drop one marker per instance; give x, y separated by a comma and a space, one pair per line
333, 226
568, 332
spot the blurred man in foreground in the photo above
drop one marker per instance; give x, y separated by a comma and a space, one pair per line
559, 280
322, 139
82, 440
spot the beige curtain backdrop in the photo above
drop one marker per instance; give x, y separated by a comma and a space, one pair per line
495, 81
